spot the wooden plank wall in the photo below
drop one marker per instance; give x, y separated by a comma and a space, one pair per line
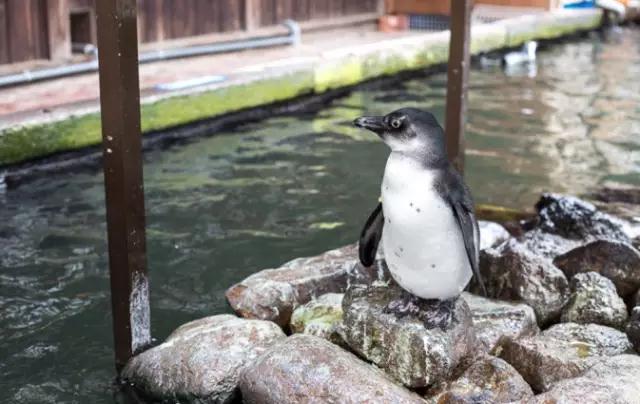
23, 30
40, 29
169, 19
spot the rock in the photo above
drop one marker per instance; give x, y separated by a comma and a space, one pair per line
635, 300
547, 245
494, 319
594, 300
565, 222
488, 380
202, 359
512, 272
575, 219
273, 294
633, 328
308, 369
619, 262
403, 347
492, 234
563, 351
613, 380
321, 317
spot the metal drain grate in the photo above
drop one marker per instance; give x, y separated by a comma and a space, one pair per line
428, 22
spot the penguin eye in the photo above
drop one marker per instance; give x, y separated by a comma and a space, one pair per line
395, 123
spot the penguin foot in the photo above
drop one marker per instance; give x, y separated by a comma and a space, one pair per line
440, 313
408, 304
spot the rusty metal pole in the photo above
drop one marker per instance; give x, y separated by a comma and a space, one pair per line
457, 77
122, 161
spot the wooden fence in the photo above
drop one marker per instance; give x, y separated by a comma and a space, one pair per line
45, 29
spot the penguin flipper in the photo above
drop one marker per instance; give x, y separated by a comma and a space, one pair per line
370, 236
454, 191
468, 224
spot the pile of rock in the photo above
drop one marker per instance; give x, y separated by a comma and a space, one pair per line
560, 324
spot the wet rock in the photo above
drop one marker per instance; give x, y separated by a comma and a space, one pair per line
492, 234
633, 328
308, 369
321, 317
495, 319
512, 272
594, 300
202, 359
547, 245
613, 380
403, 347
488, 380
273, 294
563, 351
617, 261
576, 219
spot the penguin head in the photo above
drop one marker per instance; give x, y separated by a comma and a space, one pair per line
407, 130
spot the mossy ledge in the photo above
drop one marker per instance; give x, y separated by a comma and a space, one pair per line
340, 68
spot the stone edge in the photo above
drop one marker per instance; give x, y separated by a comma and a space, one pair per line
335, 69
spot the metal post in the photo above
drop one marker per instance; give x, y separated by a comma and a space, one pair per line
121, 139
457, 77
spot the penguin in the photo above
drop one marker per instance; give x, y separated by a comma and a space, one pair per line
425, 218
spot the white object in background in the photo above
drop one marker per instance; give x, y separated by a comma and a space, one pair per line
524, 55
182, 84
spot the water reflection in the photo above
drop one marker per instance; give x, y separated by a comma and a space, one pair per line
222, 207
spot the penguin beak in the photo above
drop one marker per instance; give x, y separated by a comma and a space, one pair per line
373, 123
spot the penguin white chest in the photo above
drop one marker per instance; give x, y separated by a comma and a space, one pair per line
423, 244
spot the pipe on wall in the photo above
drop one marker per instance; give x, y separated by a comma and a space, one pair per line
293, 37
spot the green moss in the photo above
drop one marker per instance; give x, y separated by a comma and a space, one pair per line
338, 73
180, 110
24, 143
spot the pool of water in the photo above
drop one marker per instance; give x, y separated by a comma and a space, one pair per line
221, 207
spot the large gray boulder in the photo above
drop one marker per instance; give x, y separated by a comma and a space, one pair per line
617, 261
633, 328
492, 234
273, 294
496, 319
512, 272
576, 219
547, 245
201, 361
308, 369
563, 351
565, 222
321, 317
613, 380
594, 300
487, 380
403, 347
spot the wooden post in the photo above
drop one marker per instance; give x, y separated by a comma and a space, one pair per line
121, 139
251, 15
457, 77
58, 29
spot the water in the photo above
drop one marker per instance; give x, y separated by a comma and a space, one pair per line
220, 208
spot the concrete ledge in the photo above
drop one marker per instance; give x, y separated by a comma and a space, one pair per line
338, 68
